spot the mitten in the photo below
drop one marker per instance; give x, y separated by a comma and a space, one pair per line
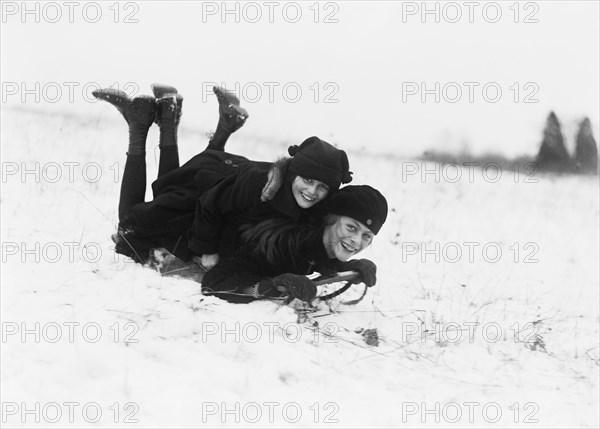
366, 269
295, 286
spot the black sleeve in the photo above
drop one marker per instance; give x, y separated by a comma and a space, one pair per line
230, 277
233, 195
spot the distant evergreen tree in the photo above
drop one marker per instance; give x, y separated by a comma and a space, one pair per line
553, 155
586, 149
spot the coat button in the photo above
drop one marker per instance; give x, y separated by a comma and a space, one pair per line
228, 162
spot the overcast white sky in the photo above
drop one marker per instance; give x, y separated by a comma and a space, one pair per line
368, 60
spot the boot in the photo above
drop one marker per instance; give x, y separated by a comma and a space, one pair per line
231, 115
168, 117
161, 91
169, 114
139, 112
231, 118
141, 109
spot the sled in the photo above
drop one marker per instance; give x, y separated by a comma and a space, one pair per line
169, 265
347, 276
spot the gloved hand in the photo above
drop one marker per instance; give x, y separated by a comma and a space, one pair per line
293, 285
366, 269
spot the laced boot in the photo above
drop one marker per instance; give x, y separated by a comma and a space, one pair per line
139, 113
231, 118
161, 91
169, 113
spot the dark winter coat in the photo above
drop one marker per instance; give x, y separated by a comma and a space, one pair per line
231, 276
198, 208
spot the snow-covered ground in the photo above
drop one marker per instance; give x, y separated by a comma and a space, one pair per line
476, 338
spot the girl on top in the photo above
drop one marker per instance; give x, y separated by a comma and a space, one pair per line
199, 207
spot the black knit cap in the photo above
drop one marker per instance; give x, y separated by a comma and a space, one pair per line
362, 203
319, 160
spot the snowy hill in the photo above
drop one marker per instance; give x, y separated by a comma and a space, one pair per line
486, 306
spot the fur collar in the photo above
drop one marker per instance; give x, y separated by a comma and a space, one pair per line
275, 178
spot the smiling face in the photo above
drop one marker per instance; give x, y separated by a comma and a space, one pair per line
308, 192
345, 237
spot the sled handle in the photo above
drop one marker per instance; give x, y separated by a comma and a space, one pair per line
338, 277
